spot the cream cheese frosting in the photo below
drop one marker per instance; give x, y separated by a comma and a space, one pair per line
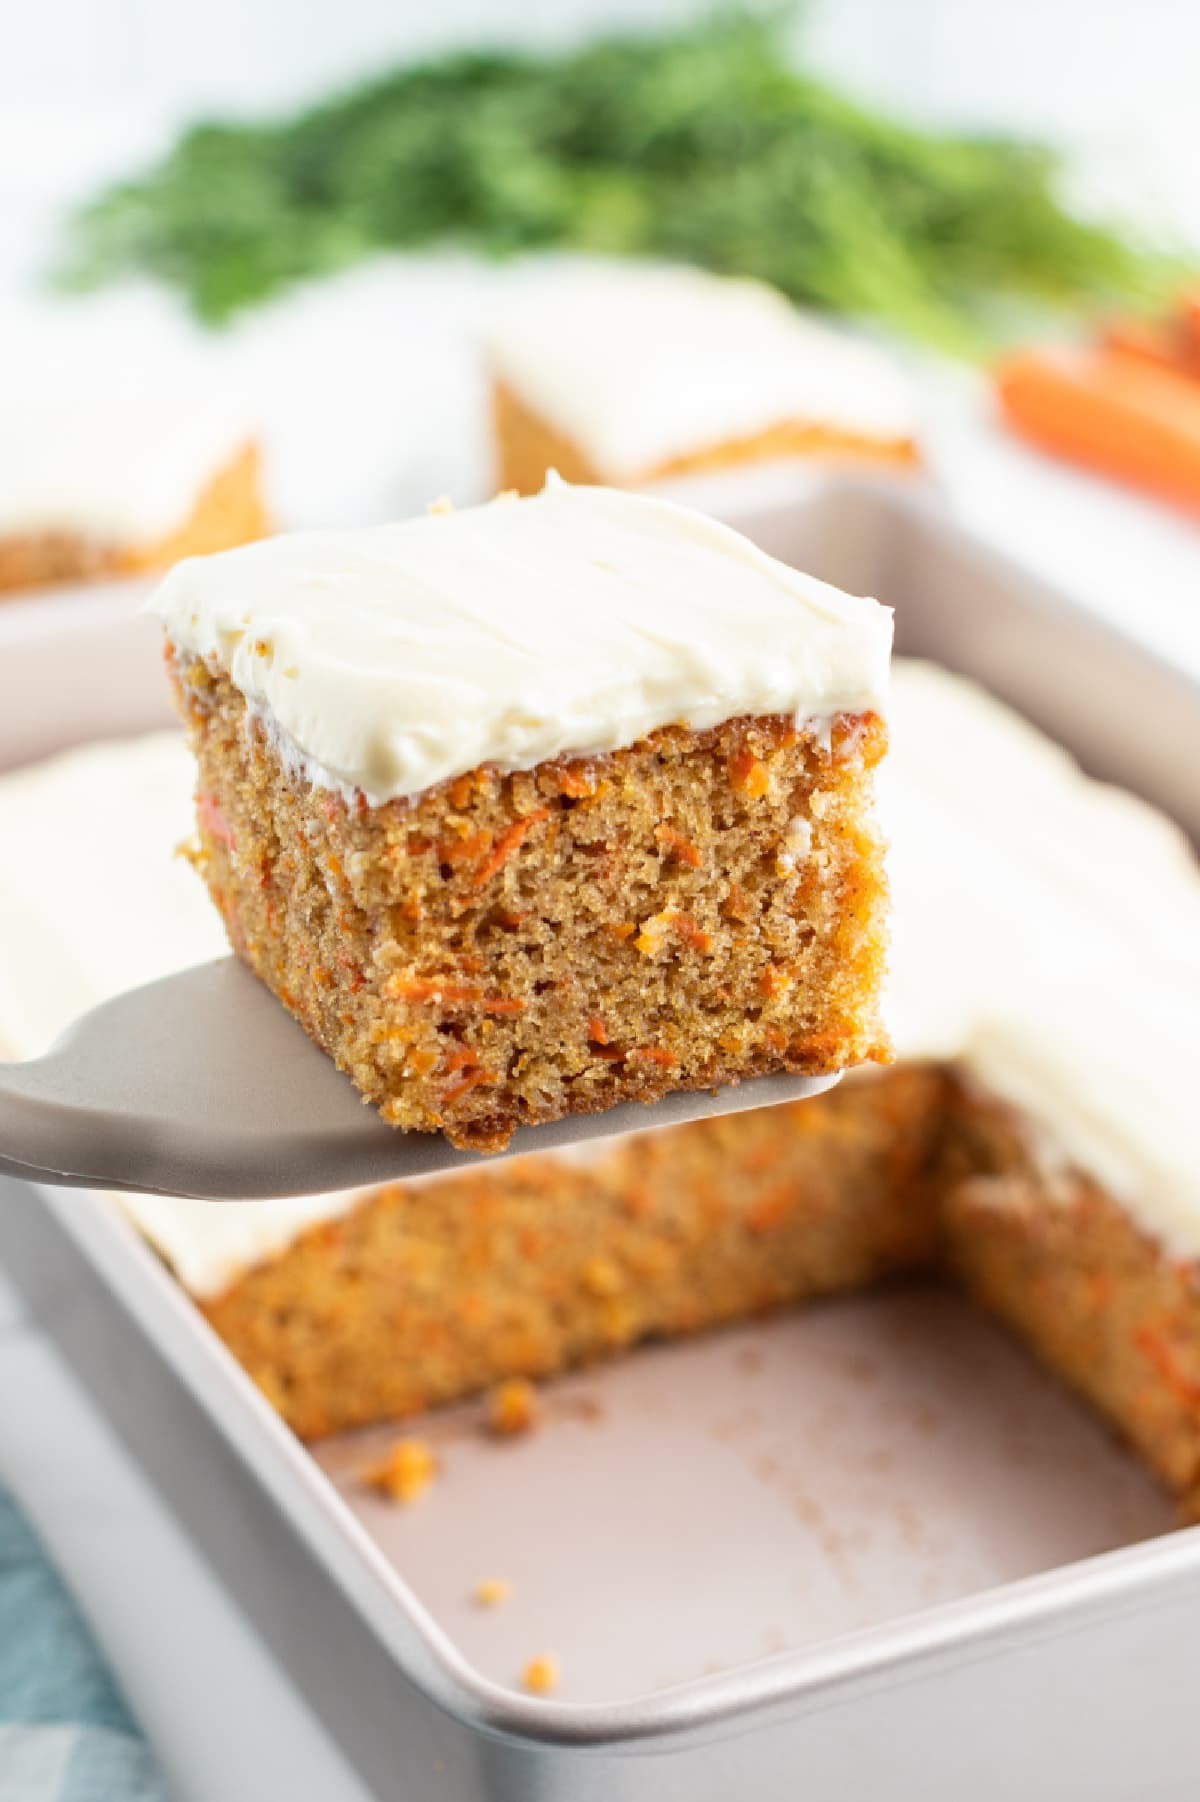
111, 423
639, 364
1046, 935
577, 620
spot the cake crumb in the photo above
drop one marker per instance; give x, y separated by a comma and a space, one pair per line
489, 1592
512, 1408
540, 1675
404, 1472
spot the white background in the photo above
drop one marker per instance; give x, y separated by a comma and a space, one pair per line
1118, 74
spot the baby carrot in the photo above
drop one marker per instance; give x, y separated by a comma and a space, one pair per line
1163, 343
1110, 412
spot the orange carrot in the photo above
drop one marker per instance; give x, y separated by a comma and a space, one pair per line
470, 1081
1110, 412
578, 780
357, 979
506, 844
466, 849
1189, 313
1168, 1364
677, 846
748, 776
690, 933
450, 994
1163, 343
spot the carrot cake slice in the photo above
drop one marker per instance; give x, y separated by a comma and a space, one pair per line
543, 806
632, 373
121, 450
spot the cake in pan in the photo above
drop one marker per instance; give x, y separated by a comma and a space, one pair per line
631, 373
119, 451
543, 806
1035, 1142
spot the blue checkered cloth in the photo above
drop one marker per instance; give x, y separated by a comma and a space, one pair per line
65, 1732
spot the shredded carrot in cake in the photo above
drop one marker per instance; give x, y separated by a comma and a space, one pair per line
748, 776
578, 781
471, 1080
678, 846
690, 933
506, 844
1157, 1349
735, 905
449, 994
465, 847
655, 930
597, 1031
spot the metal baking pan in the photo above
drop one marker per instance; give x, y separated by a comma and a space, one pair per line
865, 1548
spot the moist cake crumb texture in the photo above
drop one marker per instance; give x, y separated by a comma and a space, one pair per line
513, 948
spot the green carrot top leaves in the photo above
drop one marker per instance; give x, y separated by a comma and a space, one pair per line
704, 144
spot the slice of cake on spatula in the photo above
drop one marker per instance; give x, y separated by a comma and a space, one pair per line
543, 806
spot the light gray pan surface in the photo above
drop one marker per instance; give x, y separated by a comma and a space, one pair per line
865, 1550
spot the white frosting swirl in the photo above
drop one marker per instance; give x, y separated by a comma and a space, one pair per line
574, 621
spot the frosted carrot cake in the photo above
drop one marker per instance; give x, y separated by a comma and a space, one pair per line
1019, 1145
543, 806
632, 373
120, 451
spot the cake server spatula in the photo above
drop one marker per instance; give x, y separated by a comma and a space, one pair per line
201, 1084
